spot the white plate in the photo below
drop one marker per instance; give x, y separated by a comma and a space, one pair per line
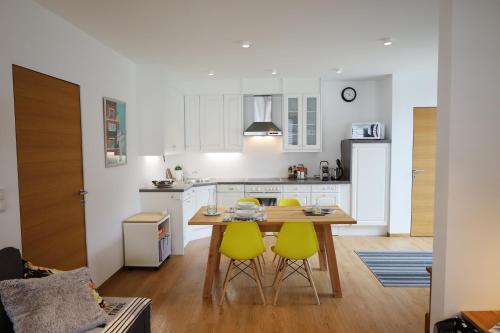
216, 214
245, 213
246, 205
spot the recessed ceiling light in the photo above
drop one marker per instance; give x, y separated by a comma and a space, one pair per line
246, 44
387, 41
338, 70
211, 73
274, 72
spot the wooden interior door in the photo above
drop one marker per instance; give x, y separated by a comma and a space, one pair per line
424, 171
50, 171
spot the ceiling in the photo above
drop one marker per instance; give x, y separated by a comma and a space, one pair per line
298, 38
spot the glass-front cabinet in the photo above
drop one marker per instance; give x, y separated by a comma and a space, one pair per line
302, 126
292, 132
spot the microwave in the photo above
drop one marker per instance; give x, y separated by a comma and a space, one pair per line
368, 131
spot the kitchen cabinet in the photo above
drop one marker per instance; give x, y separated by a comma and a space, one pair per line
192, 123
311, 123
233, 123
161, 108
174, 121
302, 123
369, 171
229, 194
303, 197
180, 206
211, 123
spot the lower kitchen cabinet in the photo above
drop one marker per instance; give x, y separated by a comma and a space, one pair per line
229, 194
303, 197
325, 199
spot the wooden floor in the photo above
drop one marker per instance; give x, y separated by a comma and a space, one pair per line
178, 306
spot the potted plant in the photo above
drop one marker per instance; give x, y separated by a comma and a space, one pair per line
179, 173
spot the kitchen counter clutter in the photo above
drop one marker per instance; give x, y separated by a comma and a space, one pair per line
181, 187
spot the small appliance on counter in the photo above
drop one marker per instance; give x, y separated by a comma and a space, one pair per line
297, 172
337, 172
324, 170
367, 131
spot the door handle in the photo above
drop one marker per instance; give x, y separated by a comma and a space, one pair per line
83, 192
414, 173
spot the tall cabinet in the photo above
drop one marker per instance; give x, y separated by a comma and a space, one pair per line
302, 123
367, 163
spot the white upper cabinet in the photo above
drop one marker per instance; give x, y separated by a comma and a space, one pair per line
292, 121
311, 124
192, 123
212, 123
302, 123
233, 122
174, 121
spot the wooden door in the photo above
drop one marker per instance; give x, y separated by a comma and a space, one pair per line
49, 158
424, 169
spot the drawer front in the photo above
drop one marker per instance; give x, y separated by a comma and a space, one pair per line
296, 188
325, 199
325, 188
304, 198
230, 188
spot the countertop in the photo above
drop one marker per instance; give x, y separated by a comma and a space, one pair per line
181, 187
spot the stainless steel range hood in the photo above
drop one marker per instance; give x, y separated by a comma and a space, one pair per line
260, 109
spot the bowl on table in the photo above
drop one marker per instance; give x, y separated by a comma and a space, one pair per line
163, 183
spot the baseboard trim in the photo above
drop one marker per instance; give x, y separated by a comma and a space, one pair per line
397, 235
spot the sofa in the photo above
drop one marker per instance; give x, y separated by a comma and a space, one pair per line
130, 315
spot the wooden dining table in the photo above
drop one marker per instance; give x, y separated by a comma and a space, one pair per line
274, 218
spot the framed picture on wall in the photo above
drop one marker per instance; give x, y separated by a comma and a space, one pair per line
115, 133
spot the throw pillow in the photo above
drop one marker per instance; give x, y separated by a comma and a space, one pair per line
32, 271
58, 303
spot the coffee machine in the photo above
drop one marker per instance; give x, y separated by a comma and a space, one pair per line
324, 170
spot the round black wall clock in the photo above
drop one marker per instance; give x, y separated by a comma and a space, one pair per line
348, 94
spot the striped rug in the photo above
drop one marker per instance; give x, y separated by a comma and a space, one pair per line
398, 268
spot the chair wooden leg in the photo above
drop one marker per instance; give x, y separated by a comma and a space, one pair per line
274, 258
311, 280
280, 281
226, 281
257, 280
260, 267
278, 267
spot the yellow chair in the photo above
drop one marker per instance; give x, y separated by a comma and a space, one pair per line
285, 202
263, 234
242, 242
296, 242
289, 202
254, 200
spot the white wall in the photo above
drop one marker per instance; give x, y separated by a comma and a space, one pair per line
409, 90
33, 37
263, 156
466, 273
